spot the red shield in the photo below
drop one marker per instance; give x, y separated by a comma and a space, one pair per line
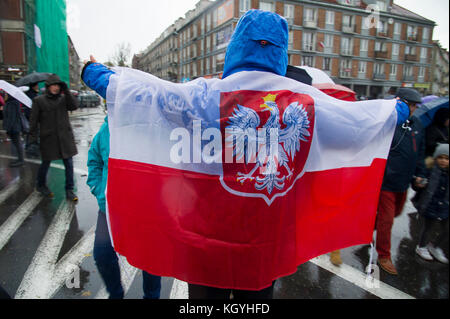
288, 173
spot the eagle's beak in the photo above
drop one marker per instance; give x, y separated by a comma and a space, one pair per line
266, 107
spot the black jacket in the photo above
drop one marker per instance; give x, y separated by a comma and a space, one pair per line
432, 202
11, 116
406, 156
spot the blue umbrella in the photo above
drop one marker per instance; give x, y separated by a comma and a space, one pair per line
426, 112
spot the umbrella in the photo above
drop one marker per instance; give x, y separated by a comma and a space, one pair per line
426, 112
323, 82
15, 92
429, 98
34, 77
298, 74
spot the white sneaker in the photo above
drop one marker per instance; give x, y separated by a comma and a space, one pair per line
437, 253
424, 253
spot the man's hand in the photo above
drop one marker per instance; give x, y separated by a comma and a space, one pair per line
420, 182
91, 59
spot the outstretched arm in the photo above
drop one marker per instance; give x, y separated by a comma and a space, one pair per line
96, 76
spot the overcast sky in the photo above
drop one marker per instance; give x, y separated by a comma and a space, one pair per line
98, 26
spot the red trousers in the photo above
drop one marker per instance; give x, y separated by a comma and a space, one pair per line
390, 205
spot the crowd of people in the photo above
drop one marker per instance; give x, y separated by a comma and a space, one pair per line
418, 158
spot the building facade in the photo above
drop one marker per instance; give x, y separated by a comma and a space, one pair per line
372, 52
17, 53
74, 66
439, 70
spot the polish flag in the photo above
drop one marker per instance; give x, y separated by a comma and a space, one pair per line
196, 192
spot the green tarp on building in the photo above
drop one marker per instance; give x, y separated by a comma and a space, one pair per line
53, 55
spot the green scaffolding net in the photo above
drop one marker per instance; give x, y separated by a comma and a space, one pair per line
53, 55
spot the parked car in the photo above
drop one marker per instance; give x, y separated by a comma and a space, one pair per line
89, 99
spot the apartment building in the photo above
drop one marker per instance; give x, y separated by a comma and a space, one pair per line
372, 52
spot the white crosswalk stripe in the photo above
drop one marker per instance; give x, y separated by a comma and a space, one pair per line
10, 189
9, 227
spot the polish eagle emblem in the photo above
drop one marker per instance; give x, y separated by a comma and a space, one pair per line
272, 147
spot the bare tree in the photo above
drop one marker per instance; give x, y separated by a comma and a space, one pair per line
121, 54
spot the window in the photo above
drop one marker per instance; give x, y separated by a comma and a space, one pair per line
194, 35
425, 33
421, 72
208, 42
395, 49
381, 5
346, 45
362, 66
411, 31
310, 15
202, 25
329, 17
266, 6
291, 40
378, 68
347, 21
408, 70
380, 46
308, 41
393, 69
328, 40
214, 18
194, 69
410, 50
208, 22
289, 12
364, 45
423, 53
346, 67
244, 5
326, 64
207, 66
308, 61
383, 27
397, 28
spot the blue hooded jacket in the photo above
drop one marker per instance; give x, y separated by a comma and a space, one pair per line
259, 43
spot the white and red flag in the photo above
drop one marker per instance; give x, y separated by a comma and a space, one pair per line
233, 183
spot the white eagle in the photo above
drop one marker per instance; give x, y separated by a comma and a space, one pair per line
249, 144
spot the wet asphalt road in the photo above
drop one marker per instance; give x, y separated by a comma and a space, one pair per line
46, 246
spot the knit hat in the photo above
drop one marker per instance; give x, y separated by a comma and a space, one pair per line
441, 149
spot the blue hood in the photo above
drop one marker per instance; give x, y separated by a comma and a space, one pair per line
259, 43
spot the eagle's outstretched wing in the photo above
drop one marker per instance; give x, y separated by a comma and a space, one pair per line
242, 125
296, 120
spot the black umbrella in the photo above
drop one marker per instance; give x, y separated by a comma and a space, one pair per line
298, 74
34, 77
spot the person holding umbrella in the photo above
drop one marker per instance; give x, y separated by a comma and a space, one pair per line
50, 113
12, 124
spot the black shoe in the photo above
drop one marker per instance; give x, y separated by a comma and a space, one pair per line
70, 195
16, 164
45, 191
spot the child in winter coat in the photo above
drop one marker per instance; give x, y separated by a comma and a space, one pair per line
432, 205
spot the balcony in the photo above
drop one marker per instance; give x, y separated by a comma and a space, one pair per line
310, 24
347, 51
412, 38
381, 54
308, 47
410, 57
408, 78
345, 73
379, 76
348, 29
